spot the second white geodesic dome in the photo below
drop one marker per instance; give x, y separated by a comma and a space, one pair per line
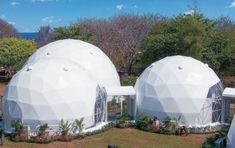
182, 88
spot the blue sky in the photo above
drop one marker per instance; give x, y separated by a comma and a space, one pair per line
29, 15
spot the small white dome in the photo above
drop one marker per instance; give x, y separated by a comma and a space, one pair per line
179, 87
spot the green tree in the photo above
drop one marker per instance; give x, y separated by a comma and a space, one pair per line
14, 52
218, 51
155, 47
72, 32
189, 35
129, 80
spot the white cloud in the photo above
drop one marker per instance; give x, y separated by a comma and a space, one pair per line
119, 7
12, 23
50, 19
14, 3
45, 1
135, 6
189, 12
232, 5
2, 16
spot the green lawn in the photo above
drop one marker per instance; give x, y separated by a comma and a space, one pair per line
124, 138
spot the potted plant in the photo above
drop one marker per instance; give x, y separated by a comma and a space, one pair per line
64, 129
78, 126
18, 128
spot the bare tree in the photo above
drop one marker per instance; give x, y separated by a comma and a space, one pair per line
43, 35
224, 23
7, 30
120, 36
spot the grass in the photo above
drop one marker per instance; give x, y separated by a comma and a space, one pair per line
124, 138
131, 138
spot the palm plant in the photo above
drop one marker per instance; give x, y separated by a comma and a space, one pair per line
42, 129
17, 125
64, 127
78, 125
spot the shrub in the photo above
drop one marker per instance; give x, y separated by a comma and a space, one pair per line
210, 142
129, 80
169, 126
19, 132
123, 117
14, 52
46, 138
124, 121
18, 126
143, 122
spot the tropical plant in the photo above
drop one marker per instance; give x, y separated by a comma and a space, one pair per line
78, 126
168, 127
42, 129
143, 122
124, 120
17, 125
210, 142
64, 127
124, 116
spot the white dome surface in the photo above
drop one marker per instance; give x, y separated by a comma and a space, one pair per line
179, 87
50, 90
231, 135
87, 55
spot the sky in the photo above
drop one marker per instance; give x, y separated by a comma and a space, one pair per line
29, 15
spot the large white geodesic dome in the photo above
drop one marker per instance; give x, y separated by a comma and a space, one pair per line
182, 88
87, 55
51, 90
65, 80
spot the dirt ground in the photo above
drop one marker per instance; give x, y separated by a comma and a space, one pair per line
124, 138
